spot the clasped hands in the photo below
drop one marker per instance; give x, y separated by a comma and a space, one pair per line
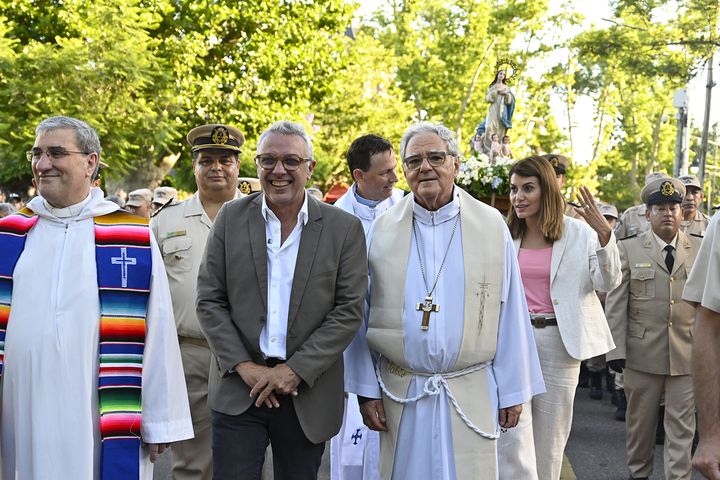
265, 382
373, 414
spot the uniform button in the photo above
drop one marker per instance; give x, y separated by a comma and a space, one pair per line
555, 301
642, 275
670, 324
672, 302
273, 339
671, 279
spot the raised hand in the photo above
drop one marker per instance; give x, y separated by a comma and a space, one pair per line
591, 214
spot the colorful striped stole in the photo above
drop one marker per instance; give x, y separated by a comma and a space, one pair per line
124, 269
13, 233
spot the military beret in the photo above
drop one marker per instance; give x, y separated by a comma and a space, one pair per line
559, 162
139, 197
690, 181
215, 135
663, 190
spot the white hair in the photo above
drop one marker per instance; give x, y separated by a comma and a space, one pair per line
426, 127
285, 127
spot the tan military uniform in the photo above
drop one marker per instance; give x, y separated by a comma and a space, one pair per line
181, 231
697, 225
652, 328
570, 211
632, 222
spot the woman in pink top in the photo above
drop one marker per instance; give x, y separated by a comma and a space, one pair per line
562, 262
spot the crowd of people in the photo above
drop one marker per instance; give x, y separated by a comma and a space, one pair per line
422, 333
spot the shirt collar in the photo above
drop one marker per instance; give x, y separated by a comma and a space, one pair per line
302, 214
364, 201
662, 242
69, 211
194, 205
441, 215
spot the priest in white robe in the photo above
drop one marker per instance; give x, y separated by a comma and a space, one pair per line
448, 356
50, 416
355, 450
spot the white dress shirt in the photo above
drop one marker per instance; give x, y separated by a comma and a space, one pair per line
662, 244
281, 271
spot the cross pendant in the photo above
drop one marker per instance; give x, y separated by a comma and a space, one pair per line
426, 307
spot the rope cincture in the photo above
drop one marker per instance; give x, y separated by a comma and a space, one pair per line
433, 386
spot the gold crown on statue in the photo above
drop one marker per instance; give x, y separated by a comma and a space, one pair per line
508, 66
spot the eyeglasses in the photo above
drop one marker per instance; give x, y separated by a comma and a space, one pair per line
53, 153
290, 162
435, 159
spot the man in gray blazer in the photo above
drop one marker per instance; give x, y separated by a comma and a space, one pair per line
280, 296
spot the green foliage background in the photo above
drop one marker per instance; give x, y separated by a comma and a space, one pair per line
144, 72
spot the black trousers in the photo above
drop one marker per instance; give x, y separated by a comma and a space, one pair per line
239, 443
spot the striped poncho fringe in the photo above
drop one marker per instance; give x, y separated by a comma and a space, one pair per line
124, 269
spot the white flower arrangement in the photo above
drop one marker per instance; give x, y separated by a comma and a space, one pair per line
481, 177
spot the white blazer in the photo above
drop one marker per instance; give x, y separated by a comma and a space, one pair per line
579, 267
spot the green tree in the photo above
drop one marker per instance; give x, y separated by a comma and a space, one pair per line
631, 70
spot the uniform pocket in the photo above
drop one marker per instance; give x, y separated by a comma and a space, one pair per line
176, 254
642, 283
636, 331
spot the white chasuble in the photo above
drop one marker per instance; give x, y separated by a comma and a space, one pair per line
50, 418
482, 317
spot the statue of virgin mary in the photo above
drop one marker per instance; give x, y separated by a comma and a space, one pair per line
499, 117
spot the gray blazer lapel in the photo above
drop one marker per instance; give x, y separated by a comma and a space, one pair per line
309, 240
258, 249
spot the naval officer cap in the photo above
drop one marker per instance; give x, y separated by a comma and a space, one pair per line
216, 136
663, 190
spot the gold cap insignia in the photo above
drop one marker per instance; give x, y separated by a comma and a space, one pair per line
667, 189
220, 135
245, 188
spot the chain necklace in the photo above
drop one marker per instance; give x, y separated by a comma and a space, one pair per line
428, 306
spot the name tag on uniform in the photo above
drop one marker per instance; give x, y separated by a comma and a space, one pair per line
179, 233
643, 265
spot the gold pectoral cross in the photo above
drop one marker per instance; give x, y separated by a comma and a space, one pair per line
426, 307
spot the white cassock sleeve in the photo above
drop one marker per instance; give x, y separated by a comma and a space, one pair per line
165, 409
516, 366
360, 376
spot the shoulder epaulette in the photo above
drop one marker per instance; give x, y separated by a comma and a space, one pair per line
169, 203
629, 236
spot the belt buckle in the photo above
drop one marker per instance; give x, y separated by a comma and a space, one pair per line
540, 322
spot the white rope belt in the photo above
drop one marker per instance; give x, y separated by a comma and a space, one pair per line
433, 384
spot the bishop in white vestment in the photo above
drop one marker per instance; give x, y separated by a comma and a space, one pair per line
443, 386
